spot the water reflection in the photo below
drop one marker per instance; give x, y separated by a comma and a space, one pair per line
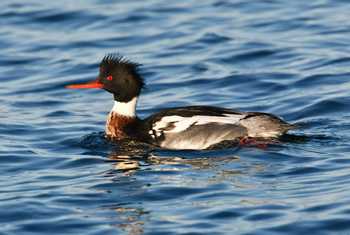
131, 223
145, 182
133, 217
164, 176
132, 162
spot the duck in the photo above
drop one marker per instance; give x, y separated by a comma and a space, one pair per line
191, 127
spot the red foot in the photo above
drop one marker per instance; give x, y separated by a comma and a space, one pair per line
262, 146
251, 142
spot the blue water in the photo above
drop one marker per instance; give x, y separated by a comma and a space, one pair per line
59, 175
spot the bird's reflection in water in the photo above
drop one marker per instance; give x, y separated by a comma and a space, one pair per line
132, 223
128, 155
220, 167
136, 168
131, 163
129, 160
125, 163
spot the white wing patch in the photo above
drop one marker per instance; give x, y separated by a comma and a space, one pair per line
176, 124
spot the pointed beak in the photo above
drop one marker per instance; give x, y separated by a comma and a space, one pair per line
92, 84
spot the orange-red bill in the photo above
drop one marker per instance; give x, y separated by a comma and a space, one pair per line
93, 84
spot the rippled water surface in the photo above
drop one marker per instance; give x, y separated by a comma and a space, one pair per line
60, 176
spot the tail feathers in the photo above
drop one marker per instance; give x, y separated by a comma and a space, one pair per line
288, 127
266, 125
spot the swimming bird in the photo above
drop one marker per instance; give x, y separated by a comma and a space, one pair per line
191, 127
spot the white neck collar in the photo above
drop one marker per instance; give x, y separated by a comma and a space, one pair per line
127, 109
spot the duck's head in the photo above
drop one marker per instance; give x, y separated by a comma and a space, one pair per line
118, 76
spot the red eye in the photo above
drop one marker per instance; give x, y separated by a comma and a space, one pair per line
110, 78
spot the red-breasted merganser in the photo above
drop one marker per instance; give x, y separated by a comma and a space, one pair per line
192, 127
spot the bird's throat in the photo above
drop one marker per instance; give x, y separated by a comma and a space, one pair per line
127, 109
121, 115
